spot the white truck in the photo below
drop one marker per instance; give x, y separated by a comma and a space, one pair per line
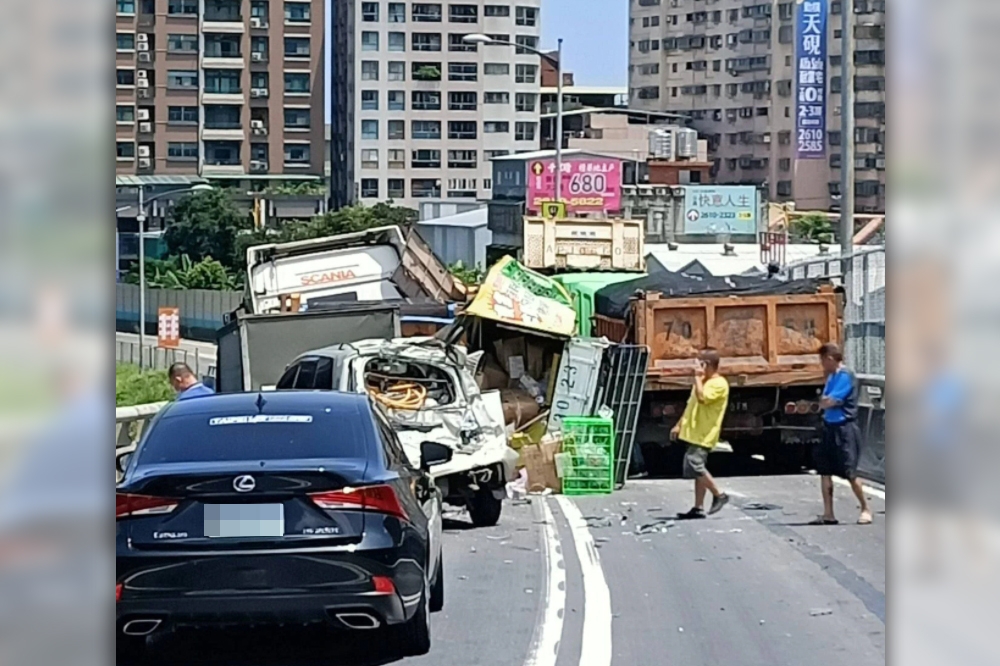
428, 392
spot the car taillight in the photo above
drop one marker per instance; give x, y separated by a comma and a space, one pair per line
118, 592
383, 585
381, 499
142, 505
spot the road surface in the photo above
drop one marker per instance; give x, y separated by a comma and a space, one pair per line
601, 581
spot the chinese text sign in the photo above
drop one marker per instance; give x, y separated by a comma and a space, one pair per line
810, 76
588, 185
168, 328
720, 210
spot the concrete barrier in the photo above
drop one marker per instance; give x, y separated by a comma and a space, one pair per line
871, 420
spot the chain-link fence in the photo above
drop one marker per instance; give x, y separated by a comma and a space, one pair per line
864, 314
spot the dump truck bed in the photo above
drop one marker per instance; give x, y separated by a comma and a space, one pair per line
764, 340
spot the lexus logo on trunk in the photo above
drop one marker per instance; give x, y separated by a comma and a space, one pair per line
244, 483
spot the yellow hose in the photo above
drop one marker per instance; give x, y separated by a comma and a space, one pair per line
405, 396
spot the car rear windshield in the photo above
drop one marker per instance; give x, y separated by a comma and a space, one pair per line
335, 431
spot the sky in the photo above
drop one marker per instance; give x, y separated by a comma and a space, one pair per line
595, 39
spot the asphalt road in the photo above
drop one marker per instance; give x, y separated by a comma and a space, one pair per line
597, 581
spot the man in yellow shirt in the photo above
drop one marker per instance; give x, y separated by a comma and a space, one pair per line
699, 430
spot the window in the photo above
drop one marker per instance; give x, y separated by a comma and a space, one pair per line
259, 45
260, 9
649, 92
525, 40
297, 154
396, 188
496, 127
490, 154
529, 16
496, 11
786, 11
426, 41
296, 118
222, 81
369, 41
296, 82
125, 41
369, 70
461, 159
646, 70
423, 100
496, 69
525, 102
126, 77
396, 71
426, 71
369, 130
369, 188
496, 98
180, 7
785, 164
222, 116
462, 101
259, 80
125, 7
182, 151
297, 12
222, 10
182, 115
222, 152
369, 158
397, 158
426, 158
525, 73
124, 114
426, 129
426, 13
869, 57
462, 71
183, 79
463, 14
457, 43
499, 38
396, 130
462, 188
397, 12
258, 152
369, 12
397, 42
461, 129
425, 188
397, 100
785, 187
524, 131
298, 47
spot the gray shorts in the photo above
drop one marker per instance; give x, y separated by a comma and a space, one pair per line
695, 461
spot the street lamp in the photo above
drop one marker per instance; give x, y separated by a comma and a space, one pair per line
486, 40
141, 219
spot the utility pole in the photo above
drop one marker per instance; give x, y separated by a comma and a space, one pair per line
847, 141
559, 119
141, 219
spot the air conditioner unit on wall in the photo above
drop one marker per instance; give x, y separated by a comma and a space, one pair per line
145, 57
142, 114
145, 163
146, 127
143, 151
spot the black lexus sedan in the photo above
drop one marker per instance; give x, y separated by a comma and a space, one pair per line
277, 508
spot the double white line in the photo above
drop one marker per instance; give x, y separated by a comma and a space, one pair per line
596, 644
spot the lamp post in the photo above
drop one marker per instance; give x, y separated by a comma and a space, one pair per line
141, 219
486, 40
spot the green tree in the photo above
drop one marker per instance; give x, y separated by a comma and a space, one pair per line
813, 228
207, 224
182, 273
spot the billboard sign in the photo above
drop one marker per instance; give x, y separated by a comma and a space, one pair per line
588, 185
168, 328
810, 77
710, 209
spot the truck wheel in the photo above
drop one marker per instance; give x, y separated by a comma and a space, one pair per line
437, 588
413, 638
484, 508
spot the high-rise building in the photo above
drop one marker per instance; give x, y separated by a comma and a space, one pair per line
220, 88
730, 65
417, 111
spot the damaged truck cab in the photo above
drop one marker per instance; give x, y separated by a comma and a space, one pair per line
427, 391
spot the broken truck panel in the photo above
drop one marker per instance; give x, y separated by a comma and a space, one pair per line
517, 296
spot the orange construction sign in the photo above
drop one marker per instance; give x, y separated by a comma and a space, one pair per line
168, 328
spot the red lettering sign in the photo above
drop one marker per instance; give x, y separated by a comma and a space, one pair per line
328, 277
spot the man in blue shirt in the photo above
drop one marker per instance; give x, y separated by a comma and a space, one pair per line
840, 446
186, 383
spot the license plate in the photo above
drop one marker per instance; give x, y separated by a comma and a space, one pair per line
228, 521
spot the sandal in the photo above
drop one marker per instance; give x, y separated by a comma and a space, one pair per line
820, 520
865, 520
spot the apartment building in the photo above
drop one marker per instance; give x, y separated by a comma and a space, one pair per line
418, 113
729, 64
223, 89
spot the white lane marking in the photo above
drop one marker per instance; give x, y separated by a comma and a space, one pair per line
874, 492
596, 650
548, 632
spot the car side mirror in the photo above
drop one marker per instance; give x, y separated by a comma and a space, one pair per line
433, 453
122, 460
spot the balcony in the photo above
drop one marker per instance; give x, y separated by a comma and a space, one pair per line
223, 16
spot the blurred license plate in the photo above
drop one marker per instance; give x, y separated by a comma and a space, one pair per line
244, 520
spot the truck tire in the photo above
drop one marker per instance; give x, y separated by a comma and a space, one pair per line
437, 588
484, 508
413, 638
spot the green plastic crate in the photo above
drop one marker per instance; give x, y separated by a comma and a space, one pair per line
590, 443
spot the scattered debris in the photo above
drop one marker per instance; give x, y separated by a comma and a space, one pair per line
502, 537
701, 559
680, 629
472, 549
508, 561
760, 506
597, 522
528, 590
762, 621
660, 526
463, 578
816, 612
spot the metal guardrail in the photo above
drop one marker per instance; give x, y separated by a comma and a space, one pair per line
130, 422
156, 358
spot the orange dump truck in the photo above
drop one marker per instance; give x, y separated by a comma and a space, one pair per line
769, 345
